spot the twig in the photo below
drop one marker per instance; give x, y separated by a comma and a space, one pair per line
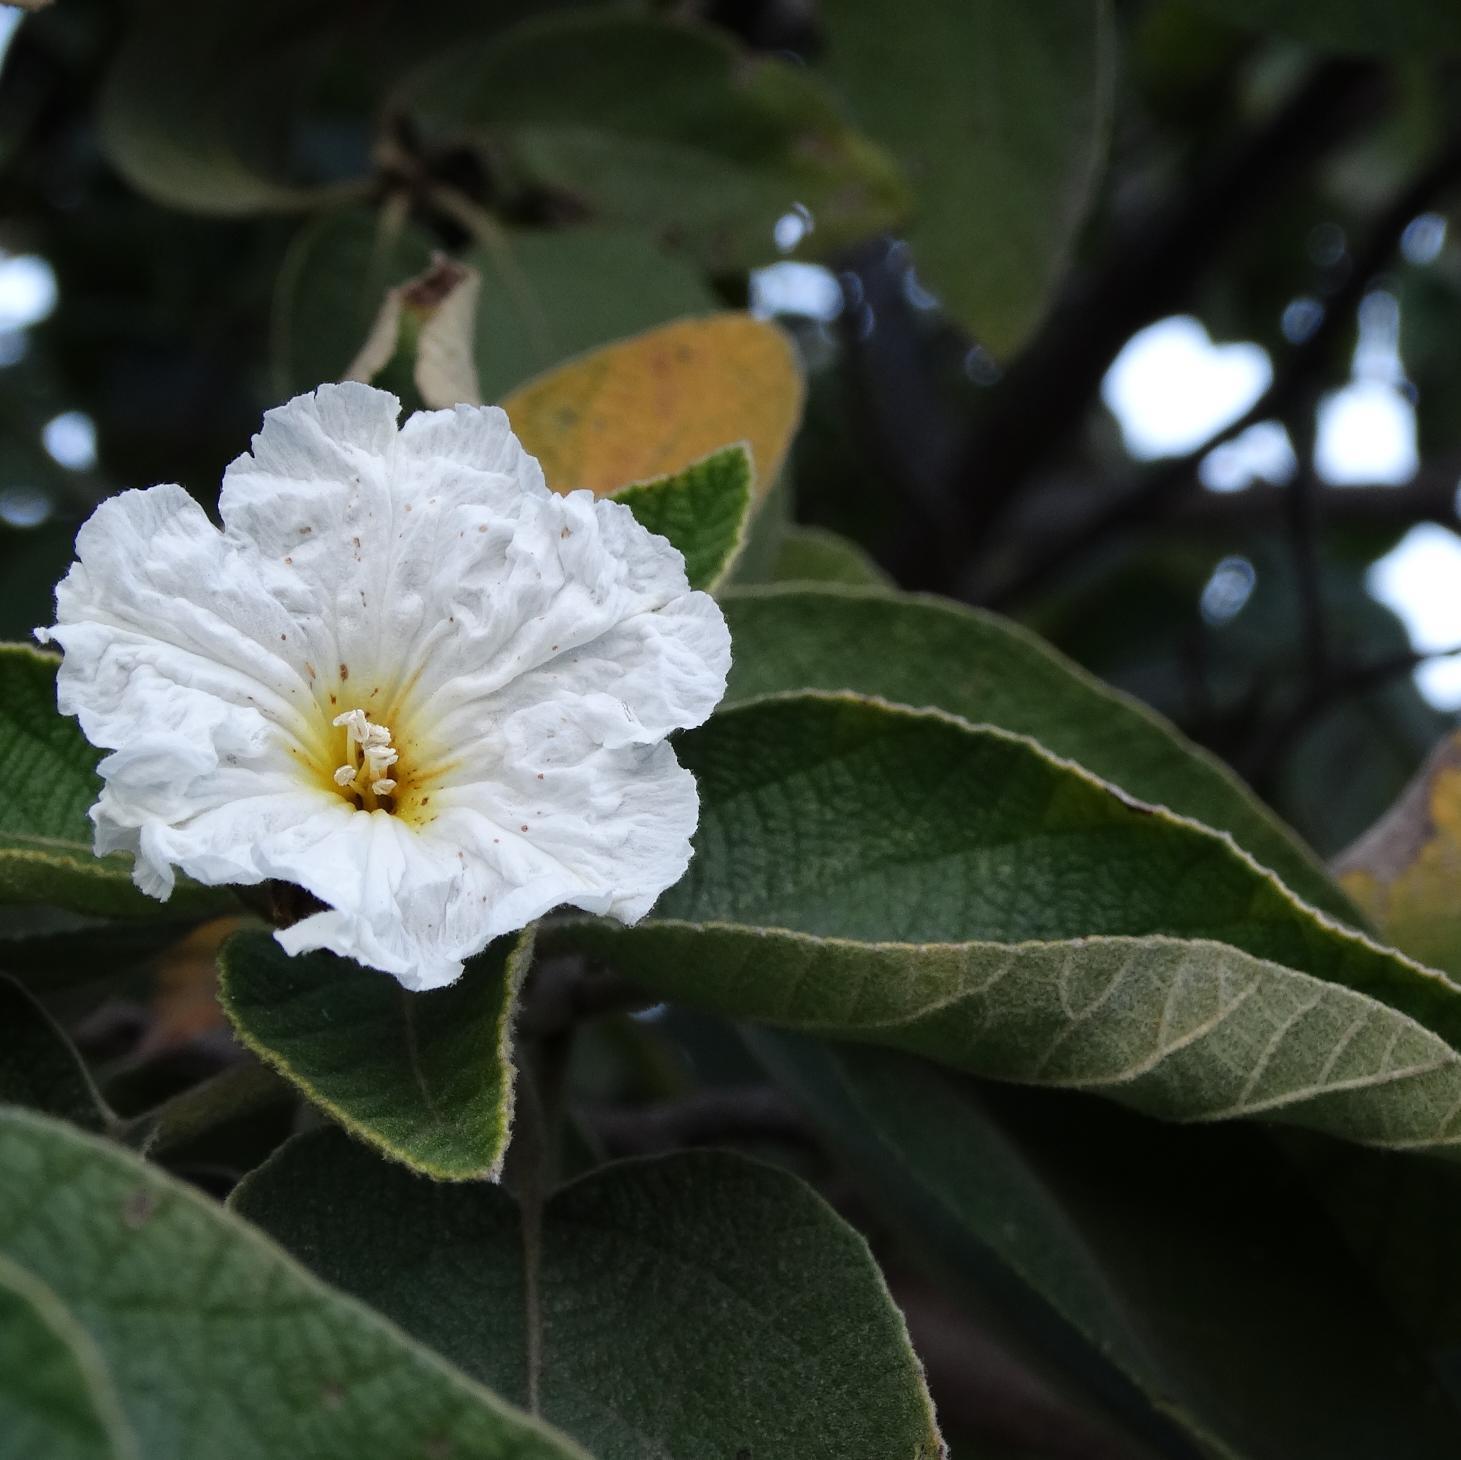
1151, 267
1336, 685
1154, 491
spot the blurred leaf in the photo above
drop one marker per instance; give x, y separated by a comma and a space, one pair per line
330, 289
815, 555
214, 1342
39, 1066
56, 1401
1405, 870
1421, 26
696, 1304
663, 125
702, 510
931, 652
1400, 1218
1000, 111
425, 1077
1192, 1261
652, 405
549, 295
196, 112
904, 878
45, 832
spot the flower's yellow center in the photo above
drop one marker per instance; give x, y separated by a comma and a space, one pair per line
365, 776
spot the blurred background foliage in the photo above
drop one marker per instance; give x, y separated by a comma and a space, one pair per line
964, 212
964, 215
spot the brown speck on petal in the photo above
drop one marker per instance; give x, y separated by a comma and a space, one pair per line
289, 562
344, 670
309, 669
525, 826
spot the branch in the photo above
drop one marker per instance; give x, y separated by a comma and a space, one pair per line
1150, 497
1150, 268
1324, 694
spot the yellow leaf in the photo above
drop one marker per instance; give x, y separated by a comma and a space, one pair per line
1405, 872
653, 404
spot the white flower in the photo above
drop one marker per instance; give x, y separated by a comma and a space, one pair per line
406, 677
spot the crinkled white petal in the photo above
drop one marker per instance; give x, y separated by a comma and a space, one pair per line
543, 644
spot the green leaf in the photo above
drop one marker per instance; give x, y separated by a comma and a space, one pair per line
51, 782
1003, 145
425, 1077
904, 878
214, 1341
662, 125
39, 1066
195, 111
334, 278
1396, 26
697, 1304
550, 295
702, 510
815, 555
56, 1402
930, 652
1191, 1262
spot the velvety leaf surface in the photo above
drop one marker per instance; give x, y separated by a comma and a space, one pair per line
687, 1306
651, 405
1405, 870
425, 1077
1003, 145
815, 555
1396, 26
51, 783
930, 652
660, 124
703, 510
39, 1066
1192, 1262
215, 1342
907, 879
56, 1401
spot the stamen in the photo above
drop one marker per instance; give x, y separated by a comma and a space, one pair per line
371, 755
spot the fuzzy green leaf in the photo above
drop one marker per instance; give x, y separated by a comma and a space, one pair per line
702, 510
51, 781
930, 652
815, 555
692, 1305
427, 1078
1003, 145
40, 1068
56, 1402
905, 878
1193, 1262
214, 1342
